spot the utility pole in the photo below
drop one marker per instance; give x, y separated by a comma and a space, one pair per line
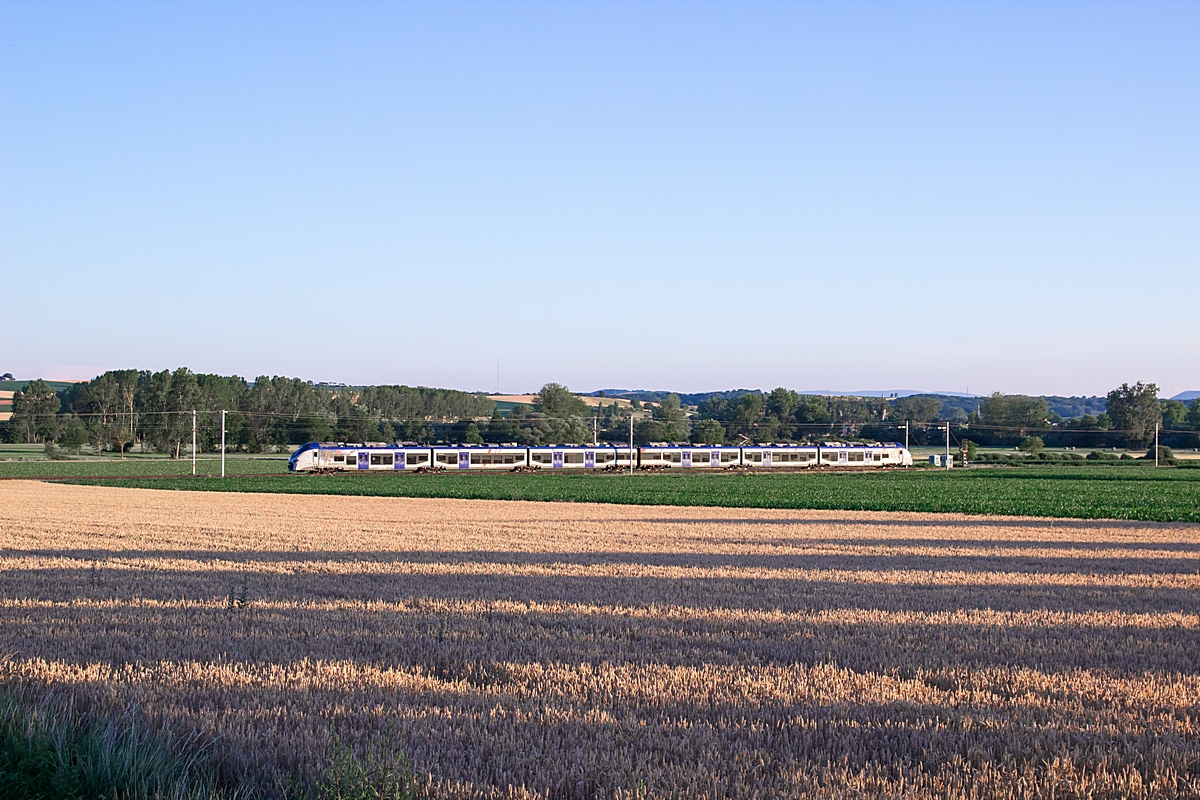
947, 444
631, 441
1156, 444
222, 444
193, 442
595, 430
905, 426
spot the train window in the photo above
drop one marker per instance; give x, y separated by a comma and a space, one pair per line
381, 459
447, 458
477, 459
650, 456
674, 458
827, 456
541, 458
754, 456
519, 458
729, 456
856, 456
603, 458
808, 456
339, 459
573, 458
416, 458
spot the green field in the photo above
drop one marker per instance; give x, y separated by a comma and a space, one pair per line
208, 465
1165, 495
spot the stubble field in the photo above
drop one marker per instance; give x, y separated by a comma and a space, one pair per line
579, 650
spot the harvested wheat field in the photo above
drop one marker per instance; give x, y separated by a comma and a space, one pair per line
574, 650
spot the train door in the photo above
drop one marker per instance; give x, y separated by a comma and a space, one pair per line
766, 458
364, 460
686, 461
464, 459
589, 459
843, 458
398, 463
558, 460
714, 458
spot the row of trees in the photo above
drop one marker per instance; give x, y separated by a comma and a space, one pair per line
1132, 415
154, 410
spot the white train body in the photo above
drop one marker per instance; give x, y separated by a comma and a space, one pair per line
689, 456
341, 457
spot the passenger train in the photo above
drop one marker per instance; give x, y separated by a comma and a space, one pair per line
340, 457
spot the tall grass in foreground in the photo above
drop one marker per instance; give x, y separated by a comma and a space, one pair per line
51, 751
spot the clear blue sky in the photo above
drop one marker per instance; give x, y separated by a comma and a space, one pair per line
1000, 196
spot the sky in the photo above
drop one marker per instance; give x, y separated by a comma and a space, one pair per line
955, 196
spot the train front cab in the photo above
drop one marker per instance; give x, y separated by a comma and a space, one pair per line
305, 457
888, 454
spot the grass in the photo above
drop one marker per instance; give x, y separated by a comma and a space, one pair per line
207, 465
49, 751
1165, 495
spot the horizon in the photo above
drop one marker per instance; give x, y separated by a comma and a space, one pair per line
866, 393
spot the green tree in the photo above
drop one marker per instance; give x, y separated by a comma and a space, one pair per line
556, 400
650, 430
1193, 415
171, 397
714, 408
915, 409
358, 427
74, 434
472, 435
748, 408
1032, 445
782, 403
1165, 454
1014, 411
812, 410
671, 413
1135, 410
33, 410
708, 431
313, 428
670, 410
1174, 414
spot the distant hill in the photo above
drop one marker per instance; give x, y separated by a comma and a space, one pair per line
1186, 396
955, 405
885, 393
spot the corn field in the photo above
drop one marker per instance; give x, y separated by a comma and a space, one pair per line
572, 650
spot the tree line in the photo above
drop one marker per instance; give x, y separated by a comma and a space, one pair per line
153, 410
